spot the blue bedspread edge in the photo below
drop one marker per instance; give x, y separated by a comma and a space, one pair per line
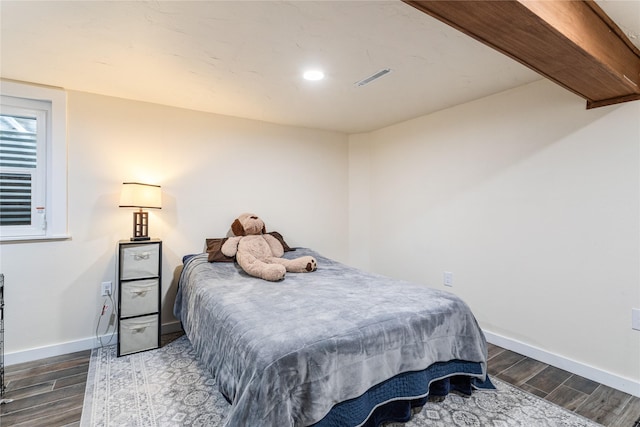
393, 399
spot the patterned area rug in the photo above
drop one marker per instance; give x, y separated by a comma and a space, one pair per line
168, 387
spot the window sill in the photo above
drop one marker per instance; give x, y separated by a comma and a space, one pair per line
34, 239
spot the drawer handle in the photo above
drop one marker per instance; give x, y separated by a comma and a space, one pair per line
141, 256
137, 328
139, 292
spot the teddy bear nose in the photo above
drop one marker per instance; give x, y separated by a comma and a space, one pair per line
254, 217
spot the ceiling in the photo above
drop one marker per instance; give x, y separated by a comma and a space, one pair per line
245, 58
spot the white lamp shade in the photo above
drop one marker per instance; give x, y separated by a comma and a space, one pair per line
136, 195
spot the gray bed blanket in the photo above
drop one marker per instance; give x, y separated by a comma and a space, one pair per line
283, 353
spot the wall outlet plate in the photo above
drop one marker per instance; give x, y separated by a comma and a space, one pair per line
447, 278
635, 318
106, 288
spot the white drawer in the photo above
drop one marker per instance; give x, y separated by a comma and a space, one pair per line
138, 334
139, 297
140, 260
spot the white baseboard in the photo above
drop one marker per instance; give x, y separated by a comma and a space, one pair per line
74, 346
598, 375
32, 354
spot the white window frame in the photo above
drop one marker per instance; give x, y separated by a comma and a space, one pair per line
53, 173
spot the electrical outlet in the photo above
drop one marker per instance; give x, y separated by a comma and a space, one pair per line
106, 288
635, 318
447, 278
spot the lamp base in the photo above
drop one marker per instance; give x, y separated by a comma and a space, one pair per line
140, 226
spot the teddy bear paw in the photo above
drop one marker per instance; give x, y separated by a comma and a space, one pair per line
274, 273
311, 265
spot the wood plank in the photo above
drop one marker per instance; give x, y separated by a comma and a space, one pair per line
70, 380
573, 43
42, 368
630, 415
503, 361
16, 368
32, 390
581, 384
522, 371
72, 392
57, 419
549, 379
493, 350
526, 387
56, 414
567, 397
46, 377
605, 405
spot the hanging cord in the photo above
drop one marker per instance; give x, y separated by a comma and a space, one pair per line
3, 386
106, 309
110, 312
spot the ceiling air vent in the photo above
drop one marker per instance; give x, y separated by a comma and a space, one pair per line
373, 77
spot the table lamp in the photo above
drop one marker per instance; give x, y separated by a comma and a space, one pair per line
137, 195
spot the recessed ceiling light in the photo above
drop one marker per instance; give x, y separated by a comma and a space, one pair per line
313, 75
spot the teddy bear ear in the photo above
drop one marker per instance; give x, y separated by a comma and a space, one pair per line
237, 228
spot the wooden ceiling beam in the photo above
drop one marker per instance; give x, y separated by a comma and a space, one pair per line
573, 43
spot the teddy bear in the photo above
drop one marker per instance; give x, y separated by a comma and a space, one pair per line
260, 254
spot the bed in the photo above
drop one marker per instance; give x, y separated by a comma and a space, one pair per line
336, 347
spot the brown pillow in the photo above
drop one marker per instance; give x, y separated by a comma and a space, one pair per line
281, 240
214, 249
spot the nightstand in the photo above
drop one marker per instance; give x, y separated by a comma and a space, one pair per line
139, 295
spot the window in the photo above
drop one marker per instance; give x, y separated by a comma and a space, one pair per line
33, 199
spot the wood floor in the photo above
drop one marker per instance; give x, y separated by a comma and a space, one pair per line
605, 405
50, 392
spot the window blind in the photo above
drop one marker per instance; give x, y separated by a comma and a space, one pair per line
18, 161
18, 142
15, 199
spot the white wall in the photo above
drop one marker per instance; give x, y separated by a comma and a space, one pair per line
532, 202
211, 169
